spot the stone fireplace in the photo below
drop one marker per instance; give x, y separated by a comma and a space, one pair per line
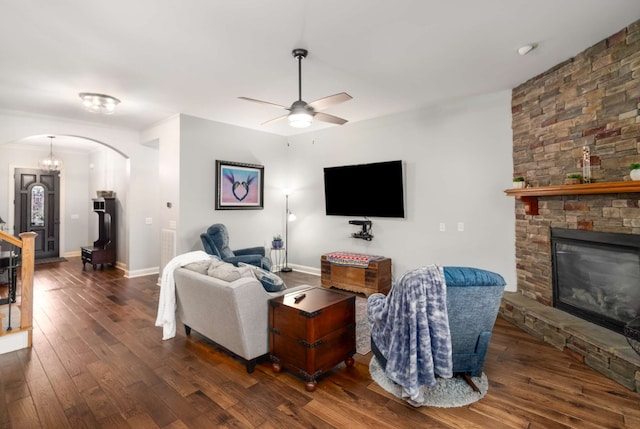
591, 100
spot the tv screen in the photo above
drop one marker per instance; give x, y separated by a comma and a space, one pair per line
372, 190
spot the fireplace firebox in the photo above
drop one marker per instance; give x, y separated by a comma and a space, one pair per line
596, 275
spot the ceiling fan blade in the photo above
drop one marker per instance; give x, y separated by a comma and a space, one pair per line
331, 100
270, 121
263, 102
329, 118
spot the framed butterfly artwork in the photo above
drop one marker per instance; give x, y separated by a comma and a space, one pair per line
239, 186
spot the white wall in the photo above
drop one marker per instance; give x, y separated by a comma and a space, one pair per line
202, 142
457, 164
457, 160
165, 136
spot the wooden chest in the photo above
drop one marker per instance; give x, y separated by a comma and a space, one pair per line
375, 278
313, 335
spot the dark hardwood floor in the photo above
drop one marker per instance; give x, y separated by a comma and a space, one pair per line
98, 361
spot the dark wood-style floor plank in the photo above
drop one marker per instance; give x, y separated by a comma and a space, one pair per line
98, 361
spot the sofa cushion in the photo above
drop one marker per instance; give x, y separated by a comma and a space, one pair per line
467, 276
270, 281
226, 271
200, 267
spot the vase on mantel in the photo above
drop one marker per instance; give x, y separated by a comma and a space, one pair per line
634, 171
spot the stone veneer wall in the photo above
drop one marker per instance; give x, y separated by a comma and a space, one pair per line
591, 99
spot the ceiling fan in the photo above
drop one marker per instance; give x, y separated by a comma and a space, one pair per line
301, 113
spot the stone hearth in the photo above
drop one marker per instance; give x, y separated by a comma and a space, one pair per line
603, 350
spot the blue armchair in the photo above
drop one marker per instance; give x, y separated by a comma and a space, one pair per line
216, 242
473, 299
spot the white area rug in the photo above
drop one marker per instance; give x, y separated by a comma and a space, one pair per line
448, 393
363, 334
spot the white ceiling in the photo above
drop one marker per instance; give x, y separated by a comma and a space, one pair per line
196, 57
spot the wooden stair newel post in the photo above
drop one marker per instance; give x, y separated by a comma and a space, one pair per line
26, 307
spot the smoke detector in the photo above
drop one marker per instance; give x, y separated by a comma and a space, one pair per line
524, 50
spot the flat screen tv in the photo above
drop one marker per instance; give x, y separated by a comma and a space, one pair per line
371, 190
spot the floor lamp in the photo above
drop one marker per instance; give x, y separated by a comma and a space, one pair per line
289, 217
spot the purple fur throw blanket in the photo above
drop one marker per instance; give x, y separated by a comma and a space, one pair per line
410, 327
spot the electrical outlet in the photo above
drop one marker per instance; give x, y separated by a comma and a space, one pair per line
148, 221
443, 227
460, 226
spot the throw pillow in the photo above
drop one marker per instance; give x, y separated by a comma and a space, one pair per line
200, 267
226, 271
223, 271
270, 282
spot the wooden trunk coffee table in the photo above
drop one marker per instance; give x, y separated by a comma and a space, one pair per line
313, 334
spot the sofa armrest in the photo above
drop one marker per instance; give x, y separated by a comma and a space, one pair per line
247, 259
250, 251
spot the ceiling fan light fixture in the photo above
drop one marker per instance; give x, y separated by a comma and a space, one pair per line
301, 114
99, 103
300, 119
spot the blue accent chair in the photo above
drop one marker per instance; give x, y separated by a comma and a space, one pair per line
473, 300
216, 242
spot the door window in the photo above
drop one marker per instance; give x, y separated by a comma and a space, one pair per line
37, 205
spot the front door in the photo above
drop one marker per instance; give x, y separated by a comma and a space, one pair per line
37, 209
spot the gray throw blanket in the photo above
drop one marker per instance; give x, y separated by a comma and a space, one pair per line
410, 327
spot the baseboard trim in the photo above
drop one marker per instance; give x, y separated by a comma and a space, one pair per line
12, 341
73, 254
305, 269
140, 273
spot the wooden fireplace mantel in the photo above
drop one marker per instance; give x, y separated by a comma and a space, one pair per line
529, 196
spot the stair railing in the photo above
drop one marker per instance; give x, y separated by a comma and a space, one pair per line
26, 244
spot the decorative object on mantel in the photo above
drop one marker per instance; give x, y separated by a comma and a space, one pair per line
573, 179
529, 196
634, 171
586, 164
519, 182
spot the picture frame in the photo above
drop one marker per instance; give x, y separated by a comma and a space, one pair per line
239, 186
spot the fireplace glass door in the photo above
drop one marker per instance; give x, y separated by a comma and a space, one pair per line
597, 276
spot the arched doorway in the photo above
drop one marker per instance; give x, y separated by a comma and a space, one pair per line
88, 165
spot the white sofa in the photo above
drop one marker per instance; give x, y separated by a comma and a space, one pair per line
234, 315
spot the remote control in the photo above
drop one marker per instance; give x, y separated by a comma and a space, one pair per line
299, 298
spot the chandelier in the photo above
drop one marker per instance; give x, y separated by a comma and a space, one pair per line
99, 103
50, 163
